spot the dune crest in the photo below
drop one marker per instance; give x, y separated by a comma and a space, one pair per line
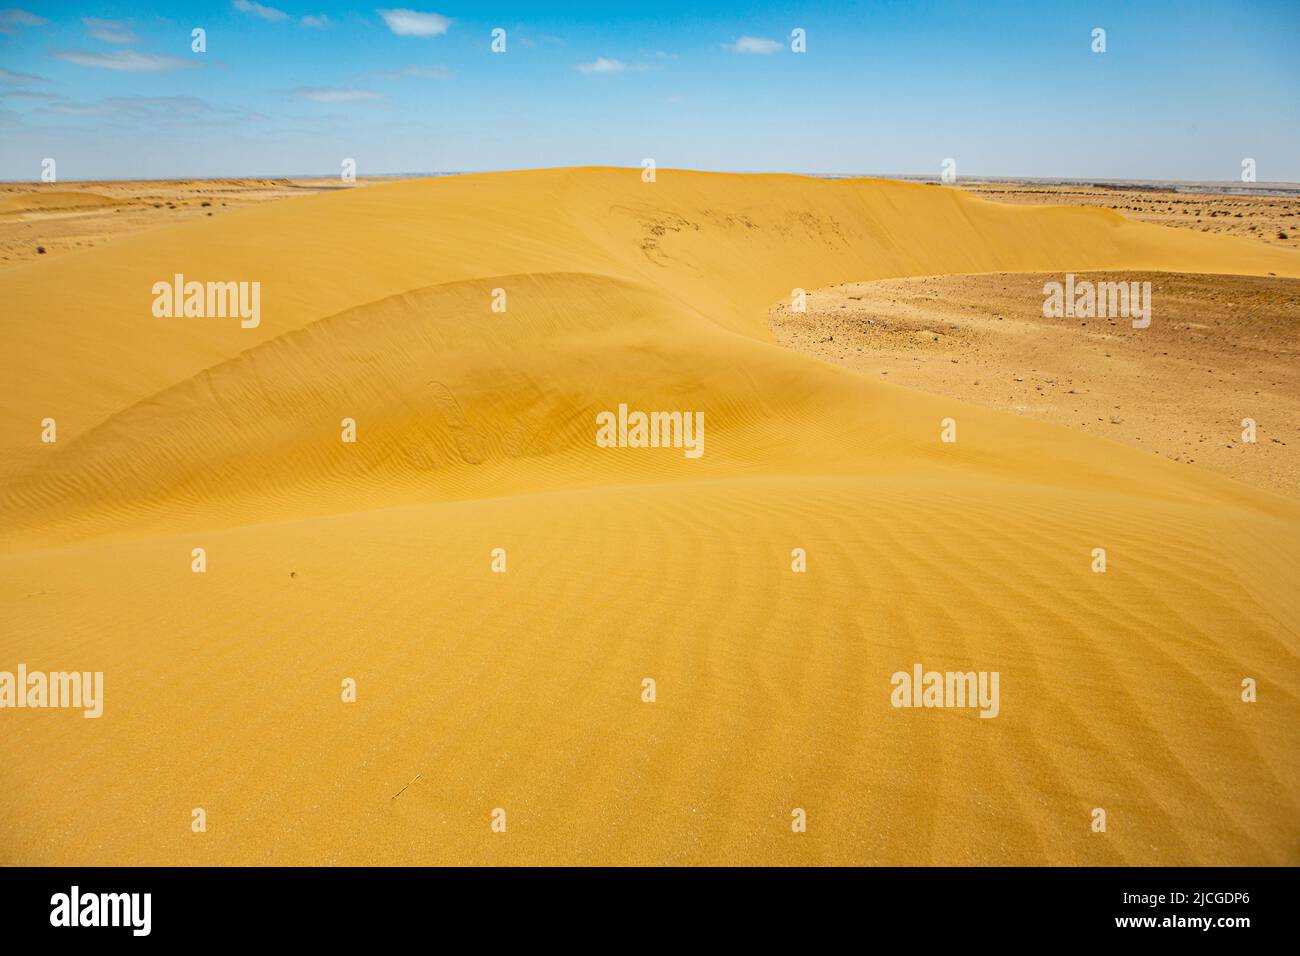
699, 253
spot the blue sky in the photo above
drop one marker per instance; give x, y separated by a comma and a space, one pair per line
1184, 90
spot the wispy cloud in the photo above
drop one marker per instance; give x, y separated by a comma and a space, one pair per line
124, 61
760, 45
148, 113
315, 23
331, 94
110, 31
8, 76
13, 18
258, 10
30, 96
410, 72
412, 23
604, 65
139, 107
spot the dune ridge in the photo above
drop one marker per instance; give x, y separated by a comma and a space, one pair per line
522, 690
703, 244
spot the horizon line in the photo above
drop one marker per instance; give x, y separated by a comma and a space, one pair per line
1284, 186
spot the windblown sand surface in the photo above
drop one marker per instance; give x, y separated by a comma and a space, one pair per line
522, 690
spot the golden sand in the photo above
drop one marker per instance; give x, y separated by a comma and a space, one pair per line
478, 690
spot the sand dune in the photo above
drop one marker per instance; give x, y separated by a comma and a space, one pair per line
523, 690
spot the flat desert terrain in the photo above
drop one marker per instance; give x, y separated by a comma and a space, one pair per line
1219, 349
51, 219
1267, 212
499, 588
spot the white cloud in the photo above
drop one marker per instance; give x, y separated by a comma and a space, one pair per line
110, 31
604, 65
330, 94
755, 45
8, 76
315, 23
13, 18
257, 10
411, 23
124, 61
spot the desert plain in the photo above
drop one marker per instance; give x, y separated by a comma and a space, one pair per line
498, 587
